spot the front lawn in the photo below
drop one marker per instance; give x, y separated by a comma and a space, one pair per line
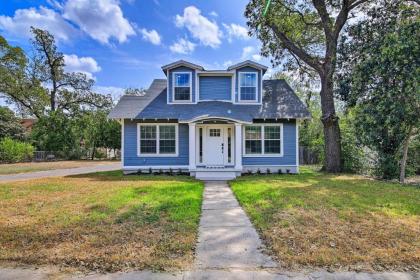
24, 167
334, 221
103, 221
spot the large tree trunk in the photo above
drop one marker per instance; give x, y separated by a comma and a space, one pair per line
331, 128
405, 156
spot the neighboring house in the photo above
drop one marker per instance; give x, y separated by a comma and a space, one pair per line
27, 124
214, 124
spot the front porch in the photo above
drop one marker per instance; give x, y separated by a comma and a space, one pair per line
215, 148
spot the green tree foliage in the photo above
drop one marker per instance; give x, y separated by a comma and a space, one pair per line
18, 83
101, 132
10, 125
304, 34
22, 79
56, 132
379, 76
15, 151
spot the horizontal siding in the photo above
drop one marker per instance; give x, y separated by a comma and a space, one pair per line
130, 148
181, 69
215, 88
289, 150
248, 69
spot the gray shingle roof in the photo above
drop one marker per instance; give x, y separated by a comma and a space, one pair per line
129, 106
279, 101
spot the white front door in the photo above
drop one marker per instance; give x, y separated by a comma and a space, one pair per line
214, 146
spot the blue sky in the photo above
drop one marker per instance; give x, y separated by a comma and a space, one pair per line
123, 43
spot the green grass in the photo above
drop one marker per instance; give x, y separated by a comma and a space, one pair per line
315, 219
103, 221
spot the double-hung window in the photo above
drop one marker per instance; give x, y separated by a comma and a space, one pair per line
182, 86
157, 139
247, 86
263, 140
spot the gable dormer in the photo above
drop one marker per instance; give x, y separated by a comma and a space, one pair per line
181, 77
248, 82
189, 83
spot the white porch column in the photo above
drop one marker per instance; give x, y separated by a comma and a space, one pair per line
238, 146
191, 144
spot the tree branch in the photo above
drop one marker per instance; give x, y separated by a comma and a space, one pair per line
321, 8
289, 45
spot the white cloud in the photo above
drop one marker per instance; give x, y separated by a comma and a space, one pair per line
256, 57
201, 28
151, 36
43, 18
182, 46
236, 31
213, 14
101, 19
86, 65
250, 52
227, 63
247, 52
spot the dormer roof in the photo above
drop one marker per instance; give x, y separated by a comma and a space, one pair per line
201, 68
248, 63
182, 63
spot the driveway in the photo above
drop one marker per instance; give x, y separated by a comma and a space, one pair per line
61, 172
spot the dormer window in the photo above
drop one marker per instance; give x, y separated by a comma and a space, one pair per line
247, 86
182, 86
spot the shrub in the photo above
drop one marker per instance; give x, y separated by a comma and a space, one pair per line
279, 171
15, 151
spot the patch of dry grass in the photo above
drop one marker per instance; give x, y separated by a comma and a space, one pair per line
337, 222
103, 221
25, 167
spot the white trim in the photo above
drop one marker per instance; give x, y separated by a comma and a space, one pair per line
192, 145
197, 88
157, 154
263, 154
135, 167
167, 87
238, 146
224, 128
239, 87
247, 63
206, 117
233, 87
216, 100
261, 87
122, 142
215, 73
297, 145
182, 63
173, 86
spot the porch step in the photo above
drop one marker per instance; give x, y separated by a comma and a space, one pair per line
215, 175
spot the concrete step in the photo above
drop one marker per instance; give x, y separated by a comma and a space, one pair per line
215, 175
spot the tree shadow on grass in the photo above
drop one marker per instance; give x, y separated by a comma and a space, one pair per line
118, 175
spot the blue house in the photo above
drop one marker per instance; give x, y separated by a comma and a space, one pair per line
214, 124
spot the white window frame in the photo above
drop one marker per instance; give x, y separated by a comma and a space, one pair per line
173, 87
263, 154
239, 87
157, 154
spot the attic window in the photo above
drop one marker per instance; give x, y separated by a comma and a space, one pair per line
182, 86
247, 86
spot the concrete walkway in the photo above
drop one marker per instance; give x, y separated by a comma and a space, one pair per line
61, 172
228, 248
226, 238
